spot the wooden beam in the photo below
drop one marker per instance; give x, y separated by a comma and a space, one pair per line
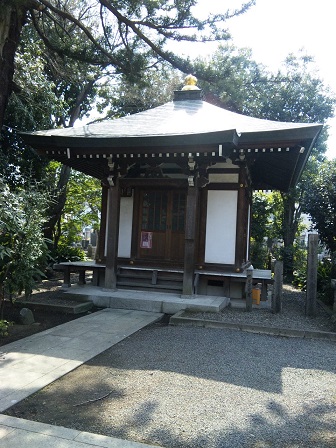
153, 182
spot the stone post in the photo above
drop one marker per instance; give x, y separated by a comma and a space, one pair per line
311, 292
249, 276
276, 304
333, 285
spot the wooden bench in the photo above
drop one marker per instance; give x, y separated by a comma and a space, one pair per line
260, 276
79, 267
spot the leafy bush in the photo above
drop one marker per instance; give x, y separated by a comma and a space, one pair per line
259, 255
4, 325
64, 252
324, 275
23, 248
300, 267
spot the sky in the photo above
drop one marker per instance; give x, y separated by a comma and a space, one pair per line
275, 28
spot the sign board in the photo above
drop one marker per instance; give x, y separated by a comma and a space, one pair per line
146, 240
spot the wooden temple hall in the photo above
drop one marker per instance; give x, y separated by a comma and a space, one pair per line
177, 185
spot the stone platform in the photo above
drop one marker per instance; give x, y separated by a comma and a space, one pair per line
157, 302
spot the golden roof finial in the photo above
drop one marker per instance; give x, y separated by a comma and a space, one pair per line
190, 83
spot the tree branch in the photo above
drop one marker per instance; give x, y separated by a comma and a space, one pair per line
71, 18
93, 400
184, 66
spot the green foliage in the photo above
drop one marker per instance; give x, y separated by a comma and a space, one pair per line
18, 162
34, 103
320, 203
4, 326
260, 230
82, 207
63, 252
155, 88
233, 78
324, 274
296, 93
300, 267
23, 249
261, 216
259, 255
125, 37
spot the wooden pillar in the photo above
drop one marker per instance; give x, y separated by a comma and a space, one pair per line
311, 292
189, 242
241, 220
112, 237
100, 251
276, 304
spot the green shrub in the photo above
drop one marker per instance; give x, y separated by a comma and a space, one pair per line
324, 289
300, 267
4, 325
23, 248
64, 252
259, 255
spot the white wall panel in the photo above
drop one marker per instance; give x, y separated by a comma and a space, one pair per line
220, 241
125, 227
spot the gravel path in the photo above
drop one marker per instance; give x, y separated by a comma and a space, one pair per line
183, 387
292, 315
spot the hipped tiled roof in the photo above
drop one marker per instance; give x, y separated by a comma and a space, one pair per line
176, 118
276, 151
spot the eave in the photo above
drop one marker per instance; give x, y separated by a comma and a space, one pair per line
276, 152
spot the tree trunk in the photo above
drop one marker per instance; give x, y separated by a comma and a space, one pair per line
52, 229
291, 219
12, 18
56, 208
2, 301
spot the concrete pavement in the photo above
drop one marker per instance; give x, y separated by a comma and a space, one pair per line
19, 433
31, 363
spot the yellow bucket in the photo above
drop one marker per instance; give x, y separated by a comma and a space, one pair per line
256, 296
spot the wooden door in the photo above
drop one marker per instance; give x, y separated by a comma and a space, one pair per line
161, 225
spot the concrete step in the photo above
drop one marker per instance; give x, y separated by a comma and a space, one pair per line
154, 301
66, 306
149, 279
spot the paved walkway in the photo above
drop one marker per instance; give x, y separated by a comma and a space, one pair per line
31, 363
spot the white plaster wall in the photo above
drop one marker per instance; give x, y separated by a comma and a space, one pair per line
125, 227
220, 240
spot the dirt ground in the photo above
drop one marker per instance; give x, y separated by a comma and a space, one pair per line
48, 290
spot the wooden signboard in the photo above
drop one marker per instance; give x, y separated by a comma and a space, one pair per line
146, 240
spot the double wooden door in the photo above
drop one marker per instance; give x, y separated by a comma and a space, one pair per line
161, 225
